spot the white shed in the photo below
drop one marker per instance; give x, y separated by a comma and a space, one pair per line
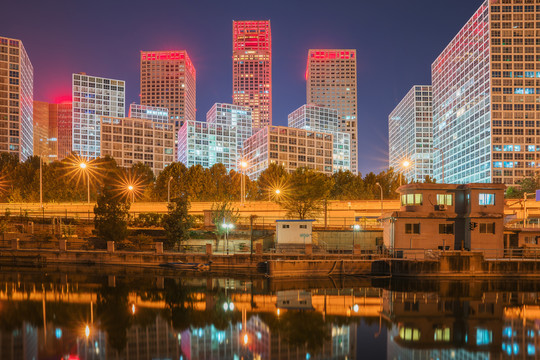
294, 232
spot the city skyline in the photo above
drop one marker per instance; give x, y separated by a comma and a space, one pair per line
117, 56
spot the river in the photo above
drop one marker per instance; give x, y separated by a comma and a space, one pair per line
88, 313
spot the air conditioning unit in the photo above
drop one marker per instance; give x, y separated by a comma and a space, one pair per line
440, 207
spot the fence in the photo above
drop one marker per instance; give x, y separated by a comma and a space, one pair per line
489, 254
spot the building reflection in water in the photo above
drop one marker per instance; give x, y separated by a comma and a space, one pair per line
199, 319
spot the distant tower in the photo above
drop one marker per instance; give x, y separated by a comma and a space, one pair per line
331, 82
252, 69
168, 80
16, 103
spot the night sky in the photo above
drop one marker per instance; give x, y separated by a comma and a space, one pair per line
396, 43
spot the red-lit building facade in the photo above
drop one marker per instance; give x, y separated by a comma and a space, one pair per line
168, 80
252, 69
331, 82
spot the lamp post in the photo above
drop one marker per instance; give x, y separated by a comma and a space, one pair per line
169, 191
41, 180
243, 166
442, 159
84, 167
227, 226
405, 164
356, 228
379, 185
131, 189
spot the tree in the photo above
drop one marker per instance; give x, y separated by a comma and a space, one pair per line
429, 180
308, 192
177, 222
347, 186
223, 213
111, 215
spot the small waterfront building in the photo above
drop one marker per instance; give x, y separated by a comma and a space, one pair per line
446, 216
293, 233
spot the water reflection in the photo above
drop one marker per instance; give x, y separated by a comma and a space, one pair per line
78, 315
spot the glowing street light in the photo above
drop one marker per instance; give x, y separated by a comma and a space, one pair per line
83, 166
405, 165
246, 339
87, 331
133, 309
355, 228
227, 227
131, 189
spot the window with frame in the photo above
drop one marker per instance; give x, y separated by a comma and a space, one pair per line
284, 226
411, 199
486, 199
412, 228
446, 228
303, 226
487, 228
444, 199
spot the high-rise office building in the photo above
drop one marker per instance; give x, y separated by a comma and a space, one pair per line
410, 135
94, 97
157, 114
63, 113
326, 120
235, 116
130, 141
331, 82
252, 69
45, 131
16, 99
168, 80
207, 144
486, 117
290, 148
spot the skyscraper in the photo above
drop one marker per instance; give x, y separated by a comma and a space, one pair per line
252, 69
486, 116
16, 99
168, 80
45, 131
63, 113
331, 82
157, 114
326, 120
94, 97
410, 134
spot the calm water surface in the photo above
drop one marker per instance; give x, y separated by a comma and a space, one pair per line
88, 314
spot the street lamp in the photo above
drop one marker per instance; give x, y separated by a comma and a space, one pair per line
131, 189
227, 226
405, 164
442, 159
379, 185
84, 167
243, 166
355, 228
169, 191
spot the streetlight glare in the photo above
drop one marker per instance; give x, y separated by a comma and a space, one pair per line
244, 164
406, 163
87, 331
278, 191
130, 187
82, 165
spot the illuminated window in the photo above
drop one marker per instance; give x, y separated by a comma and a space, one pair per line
441, 334
409, 334
483, 336
444, 199
486, 199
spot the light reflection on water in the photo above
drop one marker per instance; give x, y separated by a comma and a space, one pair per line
157, 315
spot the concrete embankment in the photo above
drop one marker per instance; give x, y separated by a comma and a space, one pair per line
448, 265
458, 265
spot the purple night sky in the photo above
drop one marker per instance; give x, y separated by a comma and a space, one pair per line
396, 43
